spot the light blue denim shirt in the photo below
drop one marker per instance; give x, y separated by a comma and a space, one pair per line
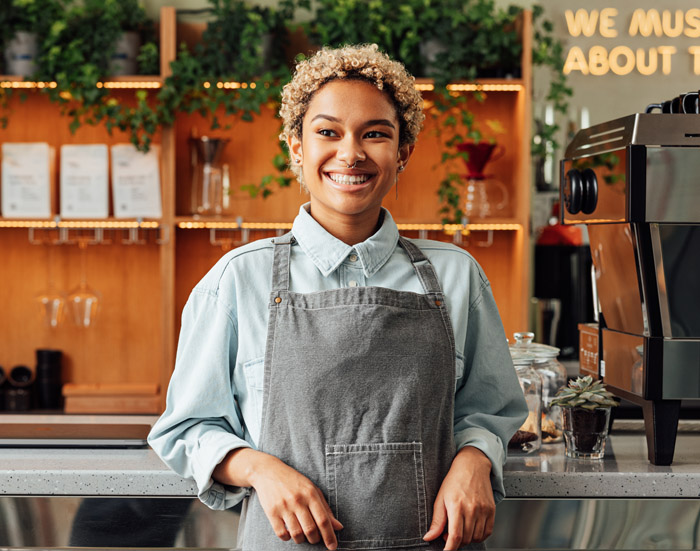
214, 402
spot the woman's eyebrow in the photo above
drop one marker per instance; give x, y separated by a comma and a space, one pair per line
372, 122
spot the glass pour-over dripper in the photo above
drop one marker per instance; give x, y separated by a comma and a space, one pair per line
207, 177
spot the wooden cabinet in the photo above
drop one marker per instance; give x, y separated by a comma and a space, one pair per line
144, 286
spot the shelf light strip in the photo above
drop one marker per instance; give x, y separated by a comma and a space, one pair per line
109, 85
79, 224
236, 85
26, 84
287, 226
235, 226
473, 87
129, 84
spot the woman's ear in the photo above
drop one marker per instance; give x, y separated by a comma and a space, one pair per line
405, 152
294, 145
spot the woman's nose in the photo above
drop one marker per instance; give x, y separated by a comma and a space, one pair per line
350, 151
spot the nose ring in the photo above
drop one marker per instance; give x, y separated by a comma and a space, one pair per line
353, 165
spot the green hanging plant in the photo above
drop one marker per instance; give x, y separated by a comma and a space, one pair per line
76, 53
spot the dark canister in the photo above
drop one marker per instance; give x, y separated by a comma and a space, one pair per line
18, 397
3, 385
48, 379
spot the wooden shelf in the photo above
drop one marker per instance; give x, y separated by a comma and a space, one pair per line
144, 288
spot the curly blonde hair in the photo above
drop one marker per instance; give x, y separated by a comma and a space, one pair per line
352, 62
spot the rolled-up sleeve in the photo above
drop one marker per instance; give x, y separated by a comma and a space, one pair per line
202, 421
489, 404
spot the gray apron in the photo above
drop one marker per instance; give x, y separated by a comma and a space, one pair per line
359, 397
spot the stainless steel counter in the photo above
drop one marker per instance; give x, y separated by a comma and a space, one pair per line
55, 498
625, 472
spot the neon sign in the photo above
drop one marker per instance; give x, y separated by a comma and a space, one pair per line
622, 59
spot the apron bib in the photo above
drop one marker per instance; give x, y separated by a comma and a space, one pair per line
359, 397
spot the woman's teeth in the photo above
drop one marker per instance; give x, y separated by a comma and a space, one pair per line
349, 179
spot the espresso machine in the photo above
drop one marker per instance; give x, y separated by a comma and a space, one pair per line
635, 183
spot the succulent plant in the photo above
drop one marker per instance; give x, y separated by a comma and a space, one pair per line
584, 393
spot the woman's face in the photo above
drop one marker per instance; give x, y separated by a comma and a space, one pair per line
349, 122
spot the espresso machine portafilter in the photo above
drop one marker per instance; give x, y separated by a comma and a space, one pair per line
635, 183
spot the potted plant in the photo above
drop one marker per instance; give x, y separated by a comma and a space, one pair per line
586, 408
129, 56
22, 23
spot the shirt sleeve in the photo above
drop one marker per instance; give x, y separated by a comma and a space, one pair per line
202, 421
489, 404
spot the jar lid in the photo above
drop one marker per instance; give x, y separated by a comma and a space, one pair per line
523, 341
521, 357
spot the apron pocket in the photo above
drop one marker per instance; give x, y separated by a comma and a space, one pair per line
377, 491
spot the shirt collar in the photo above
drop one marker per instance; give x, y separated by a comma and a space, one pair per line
328, 252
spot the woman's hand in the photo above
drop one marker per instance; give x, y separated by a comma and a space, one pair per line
295, 507
464, 509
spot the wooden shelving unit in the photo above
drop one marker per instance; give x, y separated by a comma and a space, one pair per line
144, 286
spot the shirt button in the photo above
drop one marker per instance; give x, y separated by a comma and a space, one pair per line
352, 283
353, 257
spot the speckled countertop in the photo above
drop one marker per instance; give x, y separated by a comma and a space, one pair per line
624, 473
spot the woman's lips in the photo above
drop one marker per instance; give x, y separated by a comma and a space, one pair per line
347, 182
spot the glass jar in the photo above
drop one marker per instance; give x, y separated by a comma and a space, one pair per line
554, 378
528, 437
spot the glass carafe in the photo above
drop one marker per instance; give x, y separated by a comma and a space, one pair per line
528, 437
207, 175
485, 196
554, 378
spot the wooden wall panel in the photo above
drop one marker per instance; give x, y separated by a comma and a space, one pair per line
124, 344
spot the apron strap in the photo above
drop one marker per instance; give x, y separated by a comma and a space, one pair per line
280, 262
423, 267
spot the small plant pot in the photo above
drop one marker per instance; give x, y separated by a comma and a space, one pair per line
123, 61
20, 54
429, 51
585, 432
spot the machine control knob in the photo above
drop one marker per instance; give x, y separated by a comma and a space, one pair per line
590, 191
573, 191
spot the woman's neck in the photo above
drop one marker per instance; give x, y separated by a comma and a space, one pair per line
350, 229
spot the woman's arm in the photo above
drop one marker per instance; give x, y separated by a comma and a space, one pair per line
202, 421
489, 408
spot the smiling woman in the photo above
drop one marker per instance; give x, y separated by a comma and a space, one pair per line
327, 376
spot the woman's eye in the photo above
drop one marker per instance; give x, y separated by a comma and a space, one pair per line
327, 133
375, 134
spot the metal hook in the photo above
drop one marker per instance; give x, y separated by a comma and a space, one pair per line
225, 244
489, 239
422, 234
133, 237
62, 237
32, 240
163, 235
